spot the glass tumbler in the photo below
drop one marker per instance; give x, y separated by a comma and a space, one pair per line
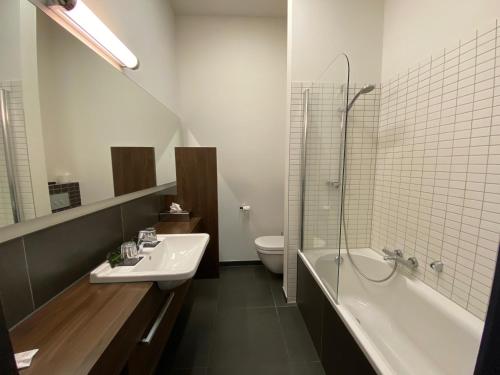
147, 235
129, 250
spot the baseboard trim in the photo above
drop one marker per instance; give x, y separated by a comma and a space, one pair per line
240, 263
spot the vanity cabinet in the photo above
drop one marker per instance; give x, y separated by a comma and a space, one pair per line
116, 328
100, 328
146, 354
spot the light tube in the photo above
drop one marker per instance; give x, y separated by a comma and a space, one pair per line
86, 22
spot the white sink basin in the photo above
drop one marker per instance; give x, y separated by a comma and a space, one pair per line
172, 262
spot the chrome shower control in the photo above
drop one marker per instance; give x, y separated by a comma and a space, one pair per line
437, 266
397, 257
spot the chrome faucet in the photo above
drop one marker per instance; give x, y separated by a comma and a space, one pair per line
392, 255
397, 256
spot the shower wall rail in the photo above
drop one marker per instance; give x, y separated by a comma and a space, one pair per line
305, 97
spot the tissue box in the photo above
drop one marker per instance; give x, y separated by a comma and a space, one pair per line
175, 216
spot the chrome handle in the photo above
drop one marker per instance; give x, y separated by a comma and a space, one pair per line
437, 266
412, 263
159, 318
397, 256
305, 98
396, 253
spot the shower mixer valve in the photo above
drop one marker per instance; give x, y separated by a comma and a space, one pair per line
397, 256
334, 184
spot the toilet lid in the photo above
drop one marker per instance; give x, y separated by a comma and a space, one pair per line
270, 243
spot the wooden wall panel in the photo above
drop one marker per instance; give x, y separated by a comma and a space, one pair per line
196, 169
134, 169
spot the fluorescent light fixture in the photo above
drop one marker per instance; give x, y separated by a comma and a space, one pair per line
80, 17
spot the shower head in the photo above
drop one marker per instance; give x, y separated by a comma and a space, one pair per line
364, 90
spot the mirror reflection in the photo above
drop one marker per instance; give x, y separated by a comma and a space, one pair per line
75, 130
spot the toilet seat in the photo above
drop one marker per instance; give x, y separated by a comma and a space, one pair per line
270, 244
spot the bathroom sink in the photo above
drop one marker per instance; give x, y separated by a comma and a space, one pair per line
173, 261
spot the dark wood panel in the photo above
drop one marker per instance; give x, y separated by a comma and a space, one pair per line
115, 357
145, 357
196, 169
134, 169
74, 329
179, 227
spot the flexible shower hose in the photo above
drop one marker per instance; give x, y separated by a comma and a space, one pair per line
356, 266
345, 232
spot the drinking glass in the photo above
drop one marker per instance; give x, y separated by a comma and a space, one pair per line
129, 250
147, 236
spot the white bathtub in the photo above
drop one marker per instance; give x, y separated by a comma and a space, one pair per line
402, 325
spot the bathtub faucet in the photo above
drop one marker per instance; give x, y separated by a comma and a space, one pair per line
397, 256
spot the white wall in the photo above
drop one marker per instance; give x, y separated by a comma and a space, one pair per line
413, 30
32, 112
321, 29
12, 78
10, 55
148, 29
232, 74
88, 106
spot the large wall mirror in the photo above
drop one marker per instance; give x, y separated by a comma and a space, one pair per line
78, 130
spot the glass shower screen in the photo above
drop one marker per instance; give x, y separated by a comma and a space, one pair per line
324, 104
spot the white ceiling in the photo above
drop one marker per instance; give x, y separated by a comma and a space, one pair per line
256, 8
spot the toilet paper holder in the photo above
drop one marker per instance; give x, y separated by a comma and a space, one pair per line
245, 207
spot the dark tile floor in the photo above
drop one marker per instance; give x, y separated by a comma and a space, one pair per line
240, 324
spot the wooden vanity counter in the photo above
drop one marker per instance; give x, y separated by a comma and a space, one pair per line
97, 328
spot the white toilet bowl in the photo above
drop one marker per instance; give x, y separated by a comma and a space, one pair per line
270, 250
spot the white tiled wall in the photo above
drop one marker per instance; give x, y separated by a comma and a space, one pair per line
437, 184
430, 173
321, 229
18, 134
360, 166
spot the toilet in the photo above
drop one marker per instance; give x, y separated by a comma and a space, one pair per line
270, 250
